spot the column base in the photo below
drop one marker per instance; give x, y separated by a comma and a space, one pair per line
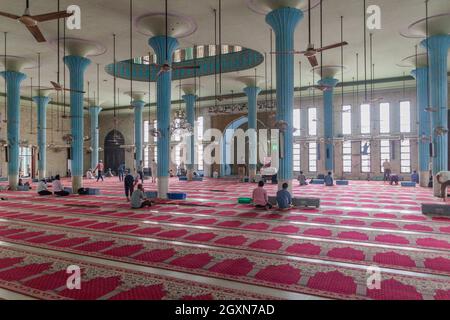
190, 174
13, 181
77, 183
163, 187
281, 182
436, 188
42, 175
251, 174
424, 177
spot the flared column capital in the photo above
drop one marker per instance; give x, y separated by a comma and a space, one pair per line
328, 82
284, 20
437, 43
420, 73
13, 77
138, 104
76, 63
159, 45
189, 99
41, 100
95, 110
252, 91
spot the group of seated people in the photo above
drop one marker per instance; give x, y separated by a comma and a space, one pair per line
24, 184
58, 189
90, 174
328, 179
261, 199
394, 178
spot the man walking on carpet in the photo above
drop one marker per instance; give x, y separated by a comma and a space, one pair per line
99, 168
154, 169
129, 183
387, 170
121, 171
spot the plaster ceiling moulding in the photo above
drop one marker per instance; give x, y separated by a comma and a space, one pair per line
16, 63
38, 91
136, 95
266, 6
91, 102
328, 71
189, 88
154, 24
413, 61
437, 25
250, 81
58, 96
79, 47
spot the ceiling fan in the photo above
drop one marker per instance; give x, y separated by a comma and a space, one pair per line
166, 66
56, 85
31, 22
311, 51
59, 87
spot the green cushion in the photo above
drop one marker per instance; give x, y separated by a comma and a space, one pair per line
245, 200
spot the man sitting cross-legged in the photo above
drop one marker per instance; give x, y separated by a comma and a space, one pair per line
329, 182
284, 198
260, 198
138, 199
42, 188
302, 179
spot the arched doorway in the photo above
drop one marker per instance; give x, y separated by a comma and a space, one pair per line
114, 154
227, 143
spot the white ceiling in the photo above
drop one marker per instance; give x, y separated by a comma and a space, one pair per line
241, 26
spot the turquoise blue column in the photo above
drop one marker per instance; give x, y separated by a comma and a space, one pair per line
438, 51
164, 95
13, 81
94, 112
328, 108
138, 106
252, 96
421, 75
42, 103
284, 21
190, 114
77, 67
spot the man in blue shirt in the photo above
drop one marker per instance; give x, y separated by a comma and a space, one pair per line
284, 198
129, 183
415, 177
329, 182
121, 171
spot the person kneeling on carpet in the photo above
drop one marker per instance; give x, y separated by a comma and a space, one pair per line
443, 178
89, 175
394, 178
58, 188
302, 179
260, 198
138, 199
42, 188
329, 182
284, 198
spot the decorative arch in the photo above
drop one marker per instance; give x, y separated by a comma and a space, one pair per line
225, 168
114, 154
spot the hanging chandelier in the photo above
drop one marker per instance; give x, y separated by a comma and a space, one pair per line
180, 126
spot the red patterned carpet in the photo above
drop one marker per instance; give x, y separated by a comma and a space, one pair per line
321, 252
